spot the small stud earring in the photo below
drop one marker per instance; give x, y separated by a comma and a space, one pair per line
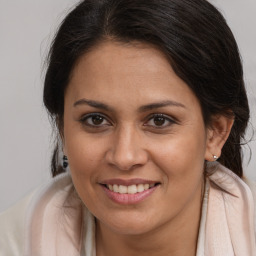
215, 158
65, 162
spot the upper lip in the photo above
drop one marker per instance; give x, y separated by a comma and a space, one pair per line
127, 182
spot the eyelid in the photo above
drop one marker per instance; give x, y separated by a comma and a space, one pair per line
171, 120
167, 117
87, 116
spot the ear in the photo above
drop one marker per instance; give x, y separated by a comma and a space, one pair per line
217, 134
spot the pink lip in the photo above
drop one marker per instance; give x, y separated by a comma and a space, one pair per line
128, 182
128, 198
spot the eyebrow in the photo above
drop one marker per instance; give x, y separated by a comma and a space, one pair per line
161, 104
92, 103
144, 108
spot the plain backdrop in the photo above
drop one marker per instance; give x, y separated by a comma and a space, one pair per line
26, 30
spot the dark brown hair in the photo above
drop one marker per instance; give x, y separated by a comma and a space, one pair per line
191, 33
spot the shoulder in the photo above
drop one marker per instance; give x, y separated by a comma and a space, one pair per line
14, 222
230, 213
252, 185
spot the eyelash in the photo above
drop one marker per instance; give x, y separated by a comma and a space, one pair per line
84, 121
166, 118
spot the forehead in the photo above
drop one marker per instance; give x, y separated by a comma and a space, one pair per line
127, 72
117, 58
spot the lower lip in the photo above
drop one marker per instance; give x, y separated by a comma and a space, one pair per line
129, 198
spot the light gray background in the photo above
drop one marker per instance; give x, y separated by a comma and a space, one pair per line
26, 30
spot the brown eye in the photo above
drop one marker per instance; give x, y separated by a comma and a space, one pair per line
97, 120
159, 120
94, 120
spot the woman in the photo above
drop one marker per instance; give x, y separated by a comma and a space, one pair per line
151, 109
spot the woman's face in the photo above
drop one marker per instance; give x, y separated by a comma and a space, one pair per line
135, 138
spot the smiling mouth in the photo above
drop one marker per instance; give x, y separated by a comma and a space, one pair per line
131, 189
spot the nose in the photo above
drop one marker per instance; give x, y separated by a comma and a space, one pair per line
126, 151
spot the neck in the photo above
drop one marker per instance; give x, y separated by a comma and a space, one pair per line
178, 237
146, 244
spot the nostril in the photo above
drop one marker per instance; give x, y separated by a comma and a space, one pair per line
126, 152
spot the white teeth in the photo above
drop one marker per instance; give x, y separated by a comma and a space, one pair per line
132, 189
146, 186
140, 188
122, 189
116, 188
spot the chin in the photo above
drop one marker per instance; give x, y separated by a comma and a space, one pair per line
131, 224
131, 230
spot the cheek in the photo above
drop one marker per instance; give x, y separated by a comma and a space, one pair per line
181, 160
181, 156
84, 154
85, 159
